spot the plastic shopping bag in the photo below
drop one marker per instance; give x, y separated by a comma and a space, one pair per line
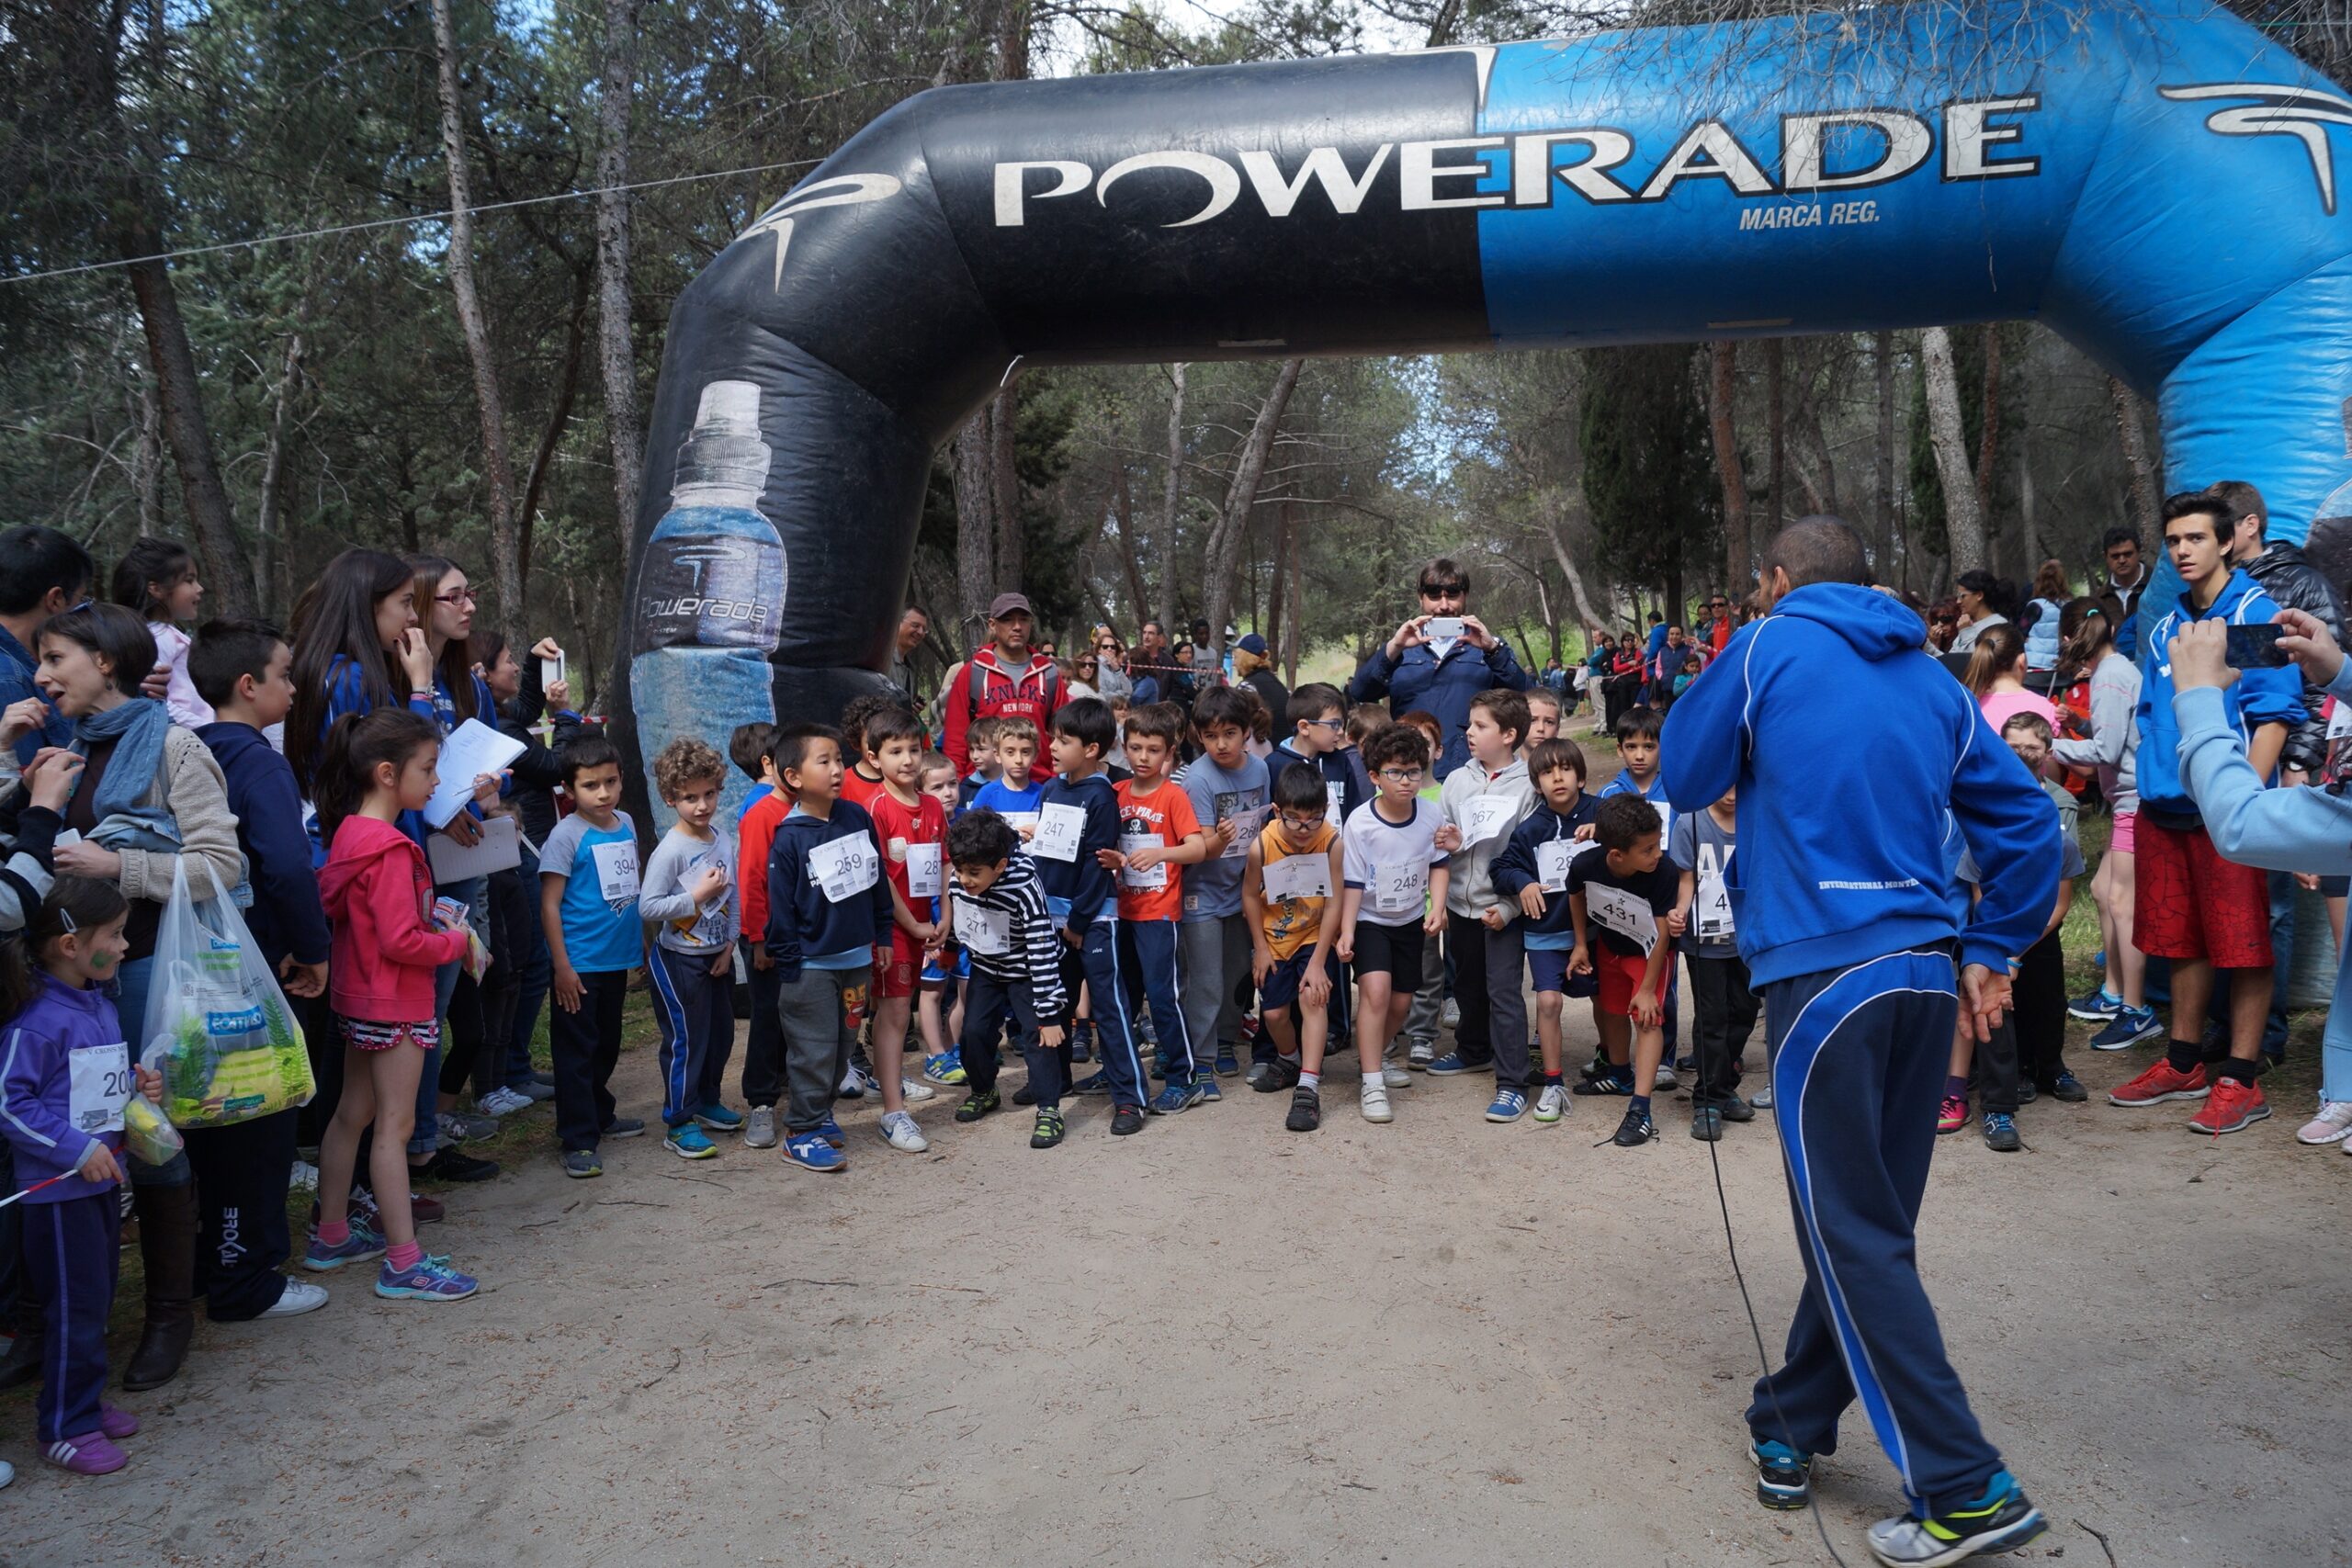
150, 1139
218, 1027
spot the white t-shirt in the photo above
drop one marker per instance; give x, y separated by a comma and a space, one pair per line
1391, 862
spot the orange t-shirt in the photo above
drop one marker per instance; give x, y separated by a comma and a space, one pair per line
1165, 814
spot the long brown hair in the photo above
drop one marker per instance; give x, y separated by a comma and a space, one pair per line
456, 663
2083, 634
334, 618
1999, 648
354, 747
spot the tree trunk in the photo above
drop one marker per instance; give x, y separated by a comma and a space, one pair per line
1005, 478
269, 550
1233, 526
1776, 424
974, 525
567, 390
1882, 363
1988, 435
1722, 388
616, 353
1277, 593
1294, 624
2132, 431
1122, 510
147, 464
1168, 508
1963, 520
505, 553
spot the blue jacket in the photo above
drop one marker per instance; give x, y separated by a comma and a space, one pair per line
36, 1086
1419, 681
285, 917
15, 685
2259, 697
1344, 767
1516, 868
1075, 890
1842, 805
803, 922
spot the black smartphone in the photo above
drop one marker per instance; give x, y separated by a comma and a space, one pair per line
2256, 646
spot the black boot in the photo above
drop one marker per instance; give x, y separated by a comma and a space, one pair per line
167, 1248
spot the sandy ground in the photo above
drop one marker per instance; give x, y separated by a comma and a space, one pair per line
1434, 1342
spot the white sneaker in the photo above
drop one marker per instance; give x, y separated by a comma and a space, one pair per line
898, 1130
7, 1473
1420, 1054
1452, 1013
759, 1127
304, 1177
1373, 1102
2330, 1126
1666, 1078
297, 1299
915, 1090
504, 1102
852, 1084
1395, 1077
1551, 1105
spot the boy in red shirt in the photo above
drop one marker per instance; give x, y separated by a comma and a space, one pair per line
1159, 836
755, 834
860, 781
912, 827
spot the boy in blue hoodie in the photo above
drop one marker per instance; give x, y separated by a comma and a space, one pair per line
1533, 871
829, 913
1838, 893
240, 668
1078, 819
2190, 905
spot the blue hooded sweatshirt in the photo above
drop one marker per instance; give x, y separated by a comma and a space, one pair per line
1848, 746
2258, 697
1077, 891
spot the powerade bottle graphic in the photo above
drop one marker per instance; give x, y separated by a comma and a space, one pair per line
710, 598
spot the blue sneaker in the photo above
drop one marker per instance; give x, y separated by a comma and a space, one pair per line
2001, 1133
1452, 1065
1176, 1096
1783, 1476
361, 1244
1094, 1083
810, 1151
1227, 1065
1510, 1106
945, 1067
432, 1279
2131, 1027
2096, 1006
830, 1131
717, 1119
1207, 1084
686, 1141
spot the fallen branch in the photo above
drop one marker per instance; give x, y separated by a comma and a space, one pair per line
2100, 1536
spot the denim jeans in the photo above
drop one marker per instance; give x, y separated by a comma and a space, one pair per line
425, 1137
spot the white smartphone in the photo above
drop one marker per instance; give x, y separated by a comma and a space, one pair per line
550, 671
1441, 628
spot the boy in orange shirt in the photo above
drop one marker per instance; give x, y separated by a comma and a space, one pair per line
1159, 836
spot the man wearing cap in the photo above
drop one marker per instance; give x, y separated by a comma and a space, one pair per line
1254, 669
1005, 680
1439, 674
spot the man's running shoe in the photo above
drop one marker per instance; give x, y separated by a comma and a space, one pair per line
1127, 1120
979, 1104
1783, 1476
1306, 1111
2129, 1027
432, 1279
1707, 1123
1636, 1130
1551, 1105
2231, 1107
2096, 1006
1049, 1128
1174, 1098
686, 1141
810, 1151
2001, 1521
946, 1068
362, 1245
2001, 1133
2161, 1082
1278, 1075
2332, 1126
1953, 1115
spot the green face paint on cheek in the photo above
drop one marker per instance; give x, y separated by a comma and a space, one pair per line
102, 961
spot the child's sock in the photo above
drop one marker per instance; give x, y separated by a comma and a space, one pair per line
403, 1257
1551, 1081
1641, 1104
1955, 1087
1310, 1081
334, 1233
1290, 1057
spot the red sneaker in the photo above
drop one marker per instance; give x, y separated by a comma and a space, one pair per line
2161, 1082
2232, 1108
1953, 1115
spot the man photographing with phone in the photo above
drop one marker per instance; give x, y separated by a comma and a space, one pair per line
1438, 660
2192, 906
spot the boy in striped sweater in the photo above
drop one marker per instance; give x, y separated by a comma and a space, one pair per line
1000, 919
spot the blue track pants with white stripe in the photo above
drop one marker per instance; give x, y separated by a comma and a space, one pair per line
1858, 1057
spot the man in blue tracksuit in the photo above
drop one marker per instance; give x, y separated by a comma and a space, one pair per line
1839, 893
1439, 676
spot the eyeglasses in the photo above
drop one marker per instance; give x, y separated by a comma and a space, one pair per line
1302, 823
455, 596
1334, 723
1401, 775
1443, 590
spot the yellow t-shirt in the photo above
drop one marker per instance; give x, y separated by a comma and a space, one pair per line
1292, 923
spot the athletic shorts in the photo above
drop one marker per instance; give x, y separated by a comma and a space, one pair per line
1281, 987
1394, 950
2187, 902
1620, 975
2120, 840
933, 977
364, 1034
896, 978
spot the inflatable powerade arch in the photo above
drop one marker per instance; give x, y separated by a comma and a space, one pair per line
2156, 183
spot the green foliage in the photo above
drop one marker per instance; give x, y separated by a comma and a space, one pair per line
1648, 475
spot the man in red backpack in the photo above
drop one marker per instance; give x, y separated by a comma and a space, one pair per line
1004, 679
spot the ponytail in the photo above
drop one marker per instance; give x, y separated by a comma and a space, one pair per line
354, 746
72, 904
2083, 634
1998, 648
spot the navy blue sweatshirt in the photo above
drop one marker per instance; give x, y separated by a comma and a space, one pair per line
287, 916
540, 767
1517, 867
803, 922
1078, 888
1344, 768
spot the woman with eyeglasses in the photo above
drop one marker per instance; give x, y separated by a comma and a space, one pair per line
1110, 678
1943, 625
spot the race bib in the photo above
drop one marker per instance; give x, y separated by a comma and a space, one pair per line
616, 871
1623, 913
1396, 889
922, 871
1665, 817
2339, 722
1247, 821
844, 868
101, 1086
1299, 876
1020, 821
1712, 917
1553, 859
1150, 877
984, 930
1059, 828
1488, 815
1335, 803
